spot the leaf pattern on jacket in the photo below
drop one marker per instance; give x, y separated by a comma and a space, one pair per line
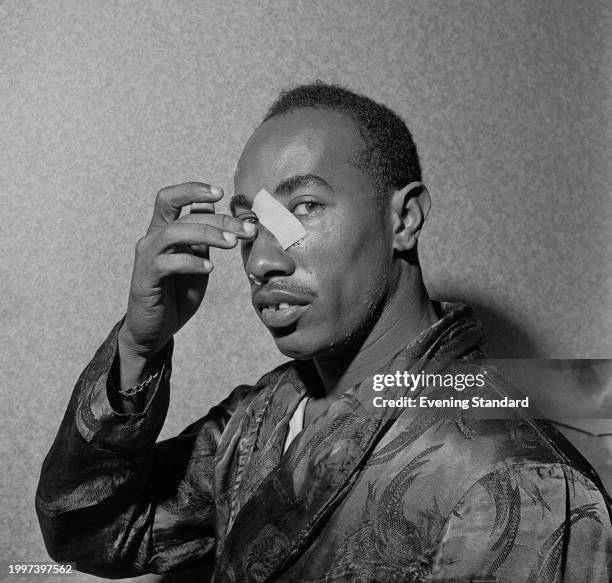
504, 486
546, 565
388, 543
342, 427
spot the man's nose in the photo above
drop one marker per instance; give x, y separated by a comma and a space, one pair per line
266, 258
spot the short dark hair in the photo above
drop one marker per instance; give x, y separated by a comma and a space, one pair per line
389, 157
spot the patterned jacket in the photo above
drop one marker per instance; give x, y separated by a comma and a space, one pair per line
364, 493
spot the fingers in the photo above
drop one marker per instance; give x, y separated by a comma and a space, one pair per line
197, 234
170, 200
181, 263
181, 245
227, 223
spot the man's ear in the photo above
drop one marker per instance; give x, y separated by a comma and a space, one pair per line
409, 209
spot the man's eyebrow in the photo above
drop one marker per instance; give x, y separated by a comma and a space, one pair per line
288, 185
239, 200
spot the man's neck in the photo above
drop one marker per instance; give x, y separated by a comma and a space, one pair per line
408, 313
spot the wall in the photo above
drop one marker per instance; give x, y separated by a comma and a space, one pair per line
103, 103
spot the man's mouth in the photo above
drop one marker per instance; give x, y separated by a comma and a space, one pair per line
281, 315
279, 308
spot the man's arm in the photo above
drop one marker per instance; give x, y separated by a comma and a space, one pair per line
535, 523
108, 497
112, 500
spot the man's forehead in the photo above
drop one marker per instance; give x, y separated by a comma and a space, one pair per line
297, 143
310, 125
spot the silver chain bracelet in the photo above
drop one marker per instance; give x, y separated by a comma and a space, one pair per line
139, 387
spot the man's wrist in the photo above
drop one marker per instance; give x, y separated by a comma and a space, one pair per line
133, 366
133, 375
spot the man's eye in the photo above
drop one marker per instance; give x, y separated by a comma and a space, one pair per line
249, 219
306, 208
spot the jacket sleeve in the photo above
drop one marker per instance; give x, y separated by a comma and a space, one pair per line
536, 523
115, 502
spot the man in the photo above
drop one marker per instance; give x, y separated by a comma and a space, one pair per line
300, 477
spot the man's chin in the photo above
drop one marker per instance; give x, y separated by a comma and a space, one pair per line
294, 344
302, 343
293, 349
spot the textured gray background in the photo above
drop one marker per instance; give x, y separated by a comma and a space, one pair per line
103, 103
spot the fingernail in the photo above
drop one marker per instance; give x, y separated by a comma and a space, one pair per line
207, 264
249, 228
216, 190
229, 237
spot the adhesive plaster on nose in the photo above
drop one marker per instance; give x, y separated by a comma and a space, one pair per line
277, 219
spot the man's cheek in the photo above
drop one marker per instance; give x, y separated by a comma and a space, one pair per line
348, 308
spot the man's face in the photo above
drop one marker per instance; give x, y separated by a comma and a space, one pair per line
322, 295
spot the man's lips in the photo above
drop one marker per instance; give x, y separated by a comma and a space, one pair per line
280, 308
274, 298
